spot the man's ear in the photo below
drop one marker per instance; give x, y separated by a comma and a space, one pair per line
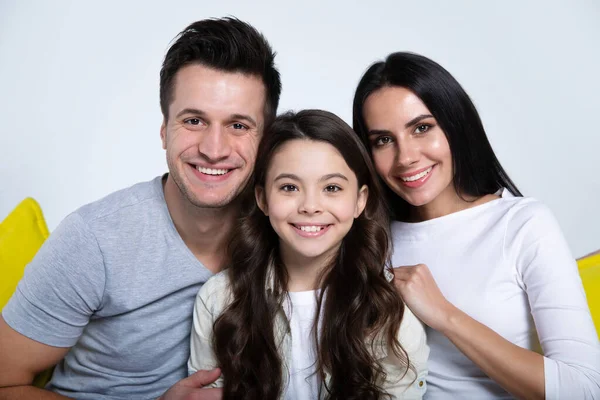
163, 134
361, 201
261, 200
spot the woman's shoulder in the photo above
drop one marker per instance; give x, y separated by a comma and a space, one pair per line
530, 214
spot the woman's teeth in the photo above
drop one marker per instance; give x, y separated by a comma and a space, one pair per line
417, 176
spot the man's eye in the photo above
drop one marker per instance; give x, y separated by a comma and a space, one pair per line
239, 126
332, 188
192, 121
289, 188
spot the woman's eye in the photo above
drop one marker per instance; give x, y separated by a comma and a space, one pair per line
332, 188
289, 188
383, 140
422, 128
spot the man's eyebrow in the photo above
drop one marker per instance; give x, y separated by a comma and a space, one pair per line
194, 111
232, 117
243, 117
334, 175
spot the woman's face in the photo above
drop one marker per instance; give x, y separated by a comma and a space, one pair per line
410, 150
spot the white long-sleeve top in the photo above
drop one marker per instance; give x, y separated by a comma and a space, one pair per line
507, 265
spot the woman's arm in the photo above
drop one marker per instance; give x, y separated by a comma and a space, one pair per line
517, 370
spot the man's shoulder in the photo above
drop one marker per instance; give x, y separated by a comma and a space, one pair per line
141, 197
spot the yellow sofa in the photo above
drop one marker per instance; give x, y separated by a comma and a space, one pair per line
21, 235
589, 269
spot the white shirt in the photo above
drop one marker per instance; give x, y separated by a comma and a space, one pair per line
506, 264
301, 310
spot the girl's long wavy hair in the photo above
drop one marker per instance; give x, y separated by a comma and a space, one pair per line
360, 304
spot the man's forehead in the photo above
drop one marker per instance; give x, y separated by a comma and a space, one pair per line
209, 89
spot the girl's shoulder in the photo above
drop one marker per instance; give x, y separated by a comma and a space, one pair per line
216, 292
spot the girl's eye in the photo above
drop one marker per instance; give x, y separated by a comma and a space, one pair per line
332, 188
289, 188
383, 140
238, 126
422, 128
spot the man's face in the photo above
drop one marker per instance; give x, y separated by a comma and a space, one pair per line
215, 123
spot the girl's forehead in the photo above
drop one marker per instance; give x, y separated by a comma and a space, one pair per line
309, 159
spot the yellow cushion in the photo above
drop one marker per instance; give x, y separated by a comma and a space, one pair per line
21, 234
589, 270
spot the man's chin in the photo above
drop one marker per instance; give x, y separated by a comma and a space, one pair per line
213, 202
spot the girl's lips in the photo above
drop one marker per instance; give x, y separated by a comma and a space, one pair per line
311, 234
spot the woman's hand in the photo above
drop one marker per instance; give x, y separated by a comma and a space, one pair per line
422, 295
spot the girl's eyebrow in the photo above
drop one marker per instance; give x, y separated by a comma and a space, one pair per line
286, 176
331, 176
323, 178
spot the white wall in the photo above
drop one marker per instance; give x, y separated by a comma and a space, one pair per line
79, 113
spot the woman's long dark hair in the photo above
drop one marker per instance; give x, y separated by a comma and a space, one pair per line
477, 171
360, 304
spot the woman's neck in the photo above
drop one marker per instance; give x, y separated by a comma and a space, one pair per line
447, 202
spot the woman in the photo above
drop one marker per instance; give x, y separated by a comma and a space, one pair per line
313, 248
487, 270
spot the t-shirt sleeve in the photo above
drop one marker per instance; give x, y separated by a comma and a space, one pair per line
61, 288
549, 274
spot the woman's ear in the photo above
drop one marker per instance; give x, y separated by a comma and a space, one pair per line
361, 201
261, 200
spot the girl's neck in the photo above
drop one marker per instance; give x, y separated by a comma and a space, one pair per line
304, 272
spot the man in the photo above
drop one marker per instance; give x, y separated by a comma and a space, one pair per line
109, 296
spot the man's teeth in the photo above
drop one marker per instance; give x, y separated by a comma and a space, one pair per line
417, 176
311, 228
211, 171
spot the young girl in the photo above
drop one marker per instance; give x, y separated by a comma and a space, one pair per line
314, 248
494, 278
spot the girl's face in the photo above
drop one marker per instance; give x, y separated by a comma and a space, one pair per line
311, 197
410, 151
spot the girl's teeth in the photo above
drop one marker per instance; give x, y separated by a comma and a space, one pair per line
311, 228
417, 176
211, 171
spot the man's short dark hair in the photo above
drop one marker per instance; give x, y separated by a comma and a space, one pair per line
225, 44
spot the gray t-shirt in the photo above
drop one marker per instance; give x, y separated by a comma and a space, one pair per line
116, 283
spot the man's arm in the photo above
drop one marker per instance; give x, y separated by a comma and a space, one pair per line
22, 359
